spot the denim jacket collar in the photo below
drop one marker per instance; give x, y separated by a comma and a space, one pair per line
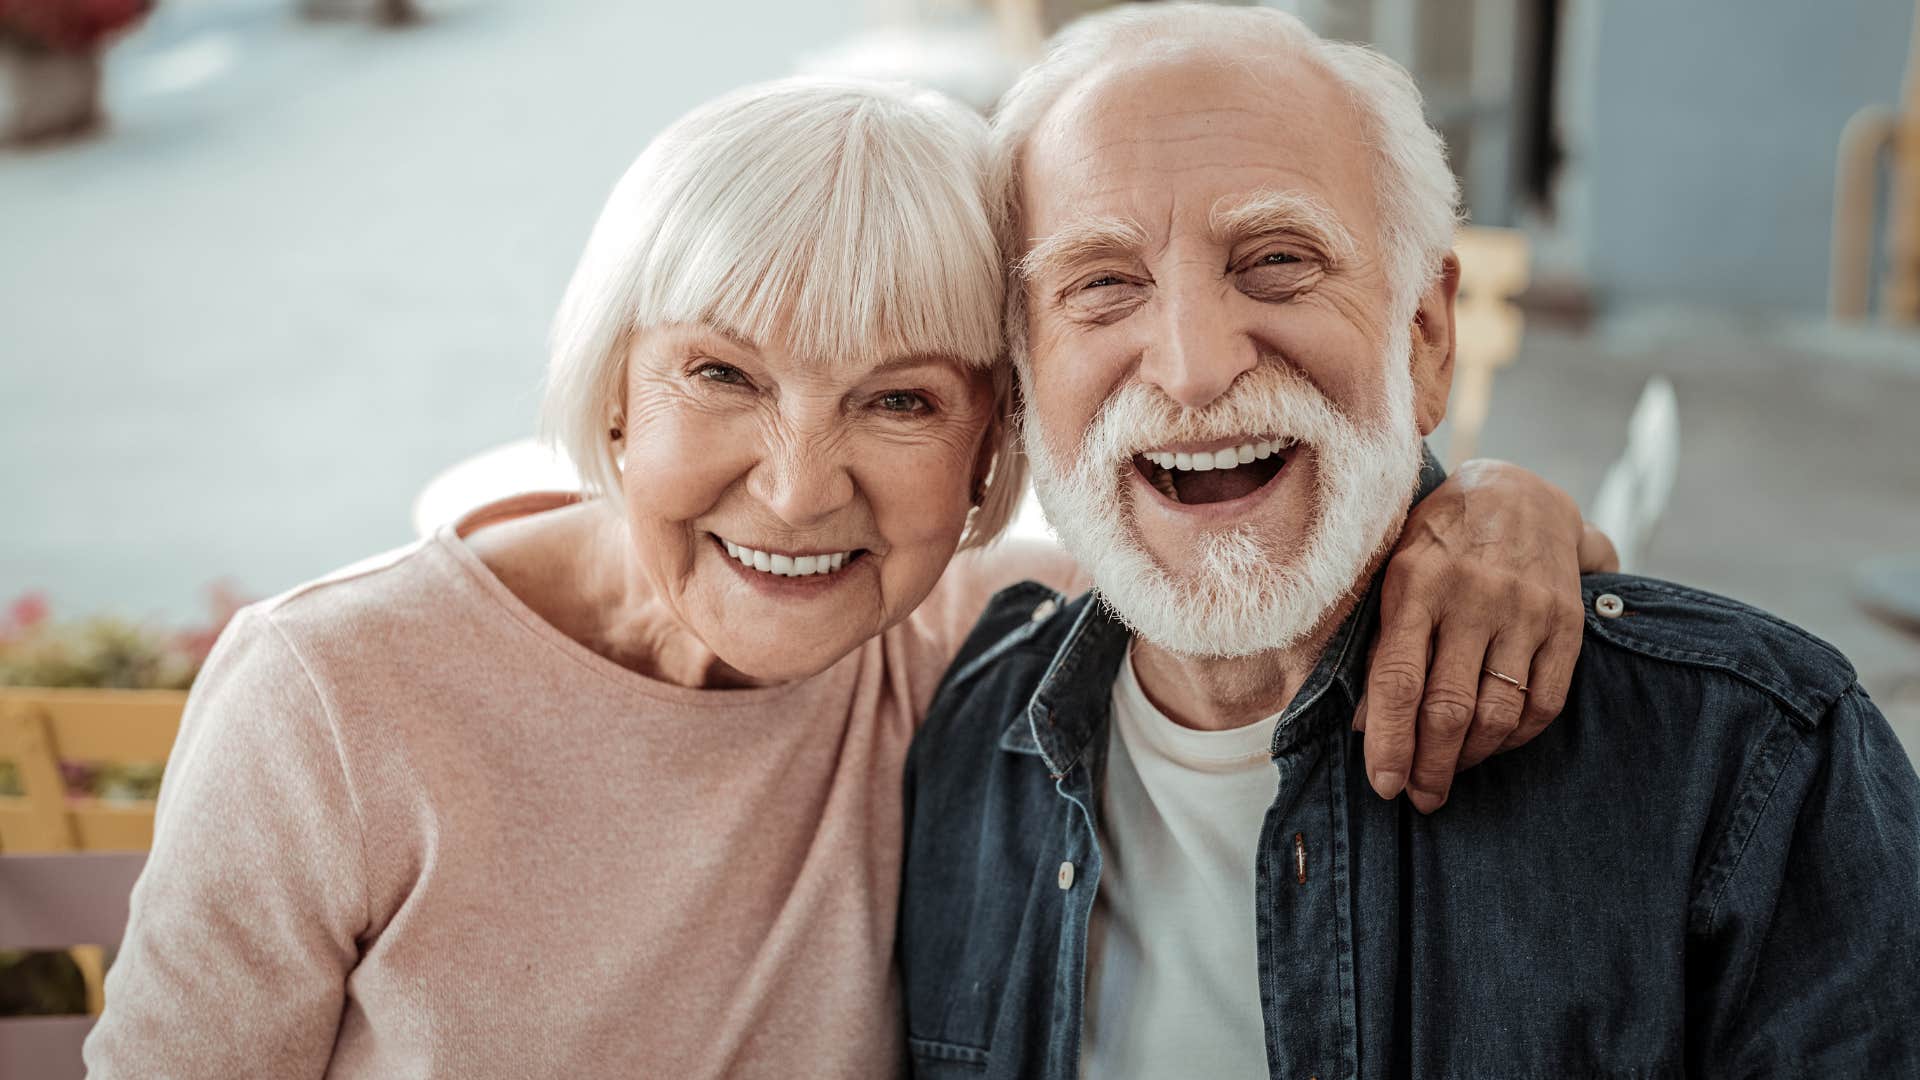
1069, 707
1068, 710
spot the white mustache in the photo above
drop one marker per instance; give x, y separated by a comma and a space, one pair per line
1271, 399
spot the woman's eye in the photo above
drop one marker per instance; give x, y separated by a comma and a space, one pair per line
1278, 258
904, 401
714, 371
1102, 282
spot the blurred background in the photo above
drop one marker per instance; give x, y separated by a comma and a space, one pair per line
270, 267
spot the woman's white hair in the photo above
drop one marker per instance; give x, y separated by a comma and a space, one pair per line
849, 220
1418, 196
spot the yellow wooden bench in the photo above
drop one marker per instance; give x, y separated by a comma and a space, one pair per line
1494, 269
39, 729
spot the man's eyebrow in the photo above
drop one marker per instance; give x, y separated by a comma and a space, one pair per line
1078, 241
1270, 213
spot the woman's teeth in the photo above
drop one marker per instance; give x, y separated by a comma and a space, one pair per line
1219, 459
786, 565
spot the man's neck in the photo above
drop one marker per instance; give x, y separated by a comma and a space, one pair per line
1210, 693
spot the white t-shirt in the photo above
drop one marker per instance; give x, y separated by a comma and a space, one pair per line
1172, 968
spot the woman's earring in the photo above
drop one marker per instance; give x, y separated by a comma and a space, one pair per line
615, 434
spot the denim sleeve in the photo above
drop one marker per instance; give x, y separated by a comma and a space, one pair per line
1807, 951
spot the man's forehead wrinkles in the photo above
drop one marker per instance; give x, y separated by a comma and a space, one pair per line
1255, 145
1130, 189
1137, 116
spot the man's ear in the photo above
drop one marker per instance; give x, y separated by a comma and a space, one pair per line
1432, 332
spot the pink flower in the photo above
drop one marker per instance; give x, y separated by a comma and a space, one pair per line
27, 612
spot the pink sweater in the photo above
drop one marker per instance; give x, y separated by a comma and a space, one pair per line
411, 830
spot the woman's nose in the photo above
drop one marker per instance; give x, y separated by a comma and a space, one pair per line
1197, 351
801, 483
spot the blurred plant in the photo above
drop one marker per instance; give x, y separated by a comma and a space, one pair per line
106, 652
40, 984
109, 653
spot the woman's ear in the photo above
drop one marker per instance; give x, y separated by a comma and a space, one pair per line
1432, 359
983, 461
1006, 405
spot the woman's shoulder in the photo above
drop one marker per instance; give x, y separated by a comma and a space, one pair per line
380, 631
376, 596
438, 580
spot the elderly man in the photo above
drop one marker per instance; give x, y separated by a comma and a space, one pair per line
1142, 839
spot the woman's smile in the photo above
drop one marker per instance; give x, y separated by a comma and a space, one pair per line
793, 574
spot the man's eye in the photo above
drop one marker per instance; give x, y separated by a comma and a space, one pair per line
1278, 258
904, 401
1102, 282
714, 371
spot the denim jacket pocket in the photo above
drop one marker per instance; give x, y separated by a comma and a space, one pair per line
934, 1058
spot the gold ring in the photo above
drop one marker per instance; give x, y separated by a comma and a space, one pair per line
1508, 679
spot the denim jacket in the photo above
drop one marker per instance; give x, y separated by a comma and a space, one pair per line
1709, 865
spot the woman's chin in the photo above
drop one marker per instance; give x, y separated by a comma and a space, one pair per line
773, 629
768, 663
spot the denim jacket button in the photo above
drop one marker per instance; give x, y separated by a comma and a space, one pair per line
1609, 606
1045, 610
1066, 875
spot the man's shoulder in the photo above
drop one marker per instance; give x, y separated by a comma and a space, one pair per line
1649, 625
1004, 658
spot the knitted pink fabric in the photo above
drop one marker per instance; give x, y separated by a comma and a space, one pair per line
411, 830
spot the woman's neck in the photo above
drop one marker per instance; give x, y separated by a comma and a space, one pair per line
575, 567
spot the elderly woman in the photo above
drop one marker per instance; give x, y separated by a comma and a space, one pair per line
611, 784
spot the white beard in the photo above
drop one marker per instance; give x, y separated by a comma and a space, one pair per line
1235, 594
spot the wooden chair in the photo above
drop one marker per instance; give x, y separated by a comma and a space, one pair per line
39, 729
1874, 133
59, 901
1487, 325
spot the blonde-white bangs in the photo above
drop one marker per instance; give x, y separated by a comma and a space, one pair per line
848, 222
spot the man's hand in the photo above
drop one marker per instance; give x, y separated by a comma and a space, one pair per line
1486, 577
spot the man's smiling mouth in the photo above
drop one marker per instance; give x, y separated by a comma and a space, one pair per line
1211, 473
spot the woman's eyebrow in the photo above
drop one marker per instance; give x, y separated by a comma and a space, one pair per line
1079, 241
731, 334
910, 361
1269, 213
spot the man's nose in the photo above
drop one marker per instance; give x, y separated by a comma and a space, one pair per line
803, 481
1197, 351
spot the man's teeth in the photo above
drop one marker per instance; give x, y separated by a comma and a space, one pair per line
1219, 459
786, 565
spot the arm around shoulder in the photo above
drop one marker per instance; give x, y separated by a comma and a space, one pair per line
1811, 941
244, 924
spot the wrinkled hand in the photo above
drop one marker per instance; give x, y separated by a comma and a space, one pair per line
1486, 576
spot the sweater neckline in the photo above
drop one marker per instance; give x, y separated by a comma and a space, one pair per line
450, 539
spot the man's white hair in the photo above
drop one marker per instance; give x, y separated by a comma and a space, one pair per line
1419, 198
849, 220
